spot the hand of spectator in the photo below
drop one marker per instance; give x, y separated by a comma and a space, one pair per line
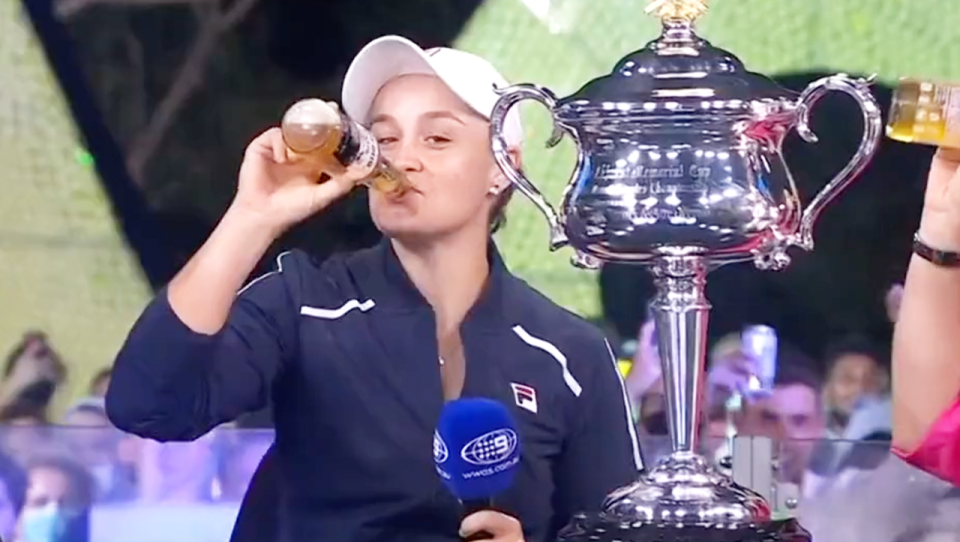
282, 188
940, 221
730, 374
645, 371
892, 302
35, 364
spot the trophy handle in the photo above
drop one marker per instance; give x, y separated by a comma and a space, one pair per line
509, 97
859, 89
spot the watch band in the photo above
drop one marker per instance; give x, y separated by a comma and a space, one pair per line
942, 258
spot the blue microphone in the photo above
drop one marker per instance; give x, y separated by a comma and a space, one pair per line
476, 448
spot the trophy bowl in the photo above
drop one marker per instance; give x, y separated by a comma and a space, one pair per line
680, 169
680, 154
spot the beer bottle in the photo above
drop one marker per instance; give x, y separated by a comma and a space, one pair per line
324, 137
925, 112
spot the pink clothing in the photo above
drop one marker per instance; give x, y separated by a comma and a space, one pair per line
939, 453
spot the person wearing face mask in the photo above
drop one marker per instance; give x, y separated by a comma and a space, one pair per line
356, 355
57, 504
96, 445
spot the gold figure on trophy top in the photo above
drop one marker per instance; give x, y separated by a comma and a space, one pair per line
677, 10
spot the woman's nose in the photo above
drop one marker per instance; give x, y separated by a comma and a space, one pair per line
404, 156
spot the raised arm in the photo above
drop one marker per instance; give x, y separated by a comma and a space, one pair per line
171, 382
926, 348
200, 354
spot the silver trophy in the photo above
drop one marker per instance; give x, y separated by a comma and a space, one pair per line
680, 169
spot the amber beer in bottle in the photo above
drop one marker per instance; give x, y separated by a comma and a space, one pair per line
321, 135
925, 112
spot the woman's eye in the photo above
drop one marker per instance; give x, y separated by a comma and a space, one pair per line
438, 140
386, 140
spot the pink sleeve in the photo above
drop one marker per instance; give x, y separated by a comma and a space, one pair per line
939, 453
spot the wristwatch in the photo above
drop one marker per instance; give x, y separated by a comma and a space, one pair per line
942, 258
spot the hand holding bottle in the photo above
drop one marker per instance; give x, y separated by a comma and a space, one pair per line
940, 222
926, 112
288, 174
730, 374
283, 188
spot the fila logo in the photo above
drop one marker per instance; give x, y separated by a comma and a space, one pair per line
525, 397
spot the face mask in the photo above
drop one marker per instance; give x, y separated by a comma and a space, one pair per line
46, 524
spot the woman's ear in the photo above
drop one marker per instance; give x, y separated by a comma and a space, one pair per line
499, 182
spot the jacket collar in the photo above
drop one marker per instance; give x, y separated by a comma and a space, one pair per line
394, 289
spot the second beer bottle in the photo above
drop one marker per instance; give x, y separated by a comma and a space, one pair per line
925, 112
324, 137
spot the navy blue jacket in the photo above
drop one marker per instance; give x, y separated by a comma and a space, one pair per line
347, 353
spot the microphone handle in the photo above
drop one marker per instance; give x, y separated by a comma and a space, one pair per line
476, 505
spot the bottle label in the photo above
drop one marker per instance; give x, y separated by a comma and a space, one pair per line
358, 146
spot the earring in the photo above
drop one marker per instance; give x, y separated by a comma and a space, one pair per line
494, 190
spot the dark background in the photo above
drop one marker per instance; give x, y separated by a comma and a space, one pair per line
117, 64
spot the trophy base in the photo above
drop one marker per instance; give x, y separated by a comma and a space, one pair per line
599, 528
684, 490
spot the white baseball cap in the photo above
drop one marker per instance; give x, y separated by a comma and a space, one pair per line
469, 76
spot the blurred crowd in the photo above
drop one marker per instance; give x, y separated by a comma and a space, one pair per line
801, 408
55, 471
843, 396
58, 474
802, 411
829, 422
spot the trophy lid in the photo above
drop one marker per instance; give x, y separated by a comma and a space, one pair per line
678, 72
